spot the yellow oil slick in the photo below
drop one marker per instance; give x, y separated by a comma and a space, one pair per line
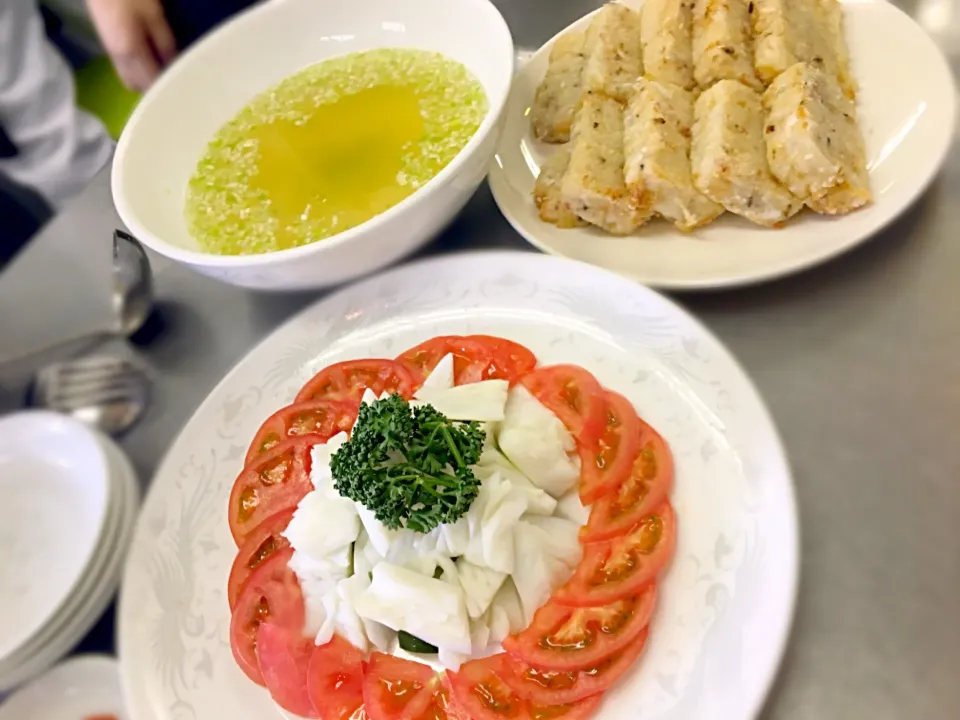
331, 148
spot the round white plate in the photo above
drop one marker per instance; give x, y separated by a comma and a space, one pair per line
53, 476
83, 687
908, 112
95, 591
727, 600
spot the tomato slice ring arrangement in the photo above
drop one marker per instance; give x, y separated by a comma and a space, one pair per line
580, 642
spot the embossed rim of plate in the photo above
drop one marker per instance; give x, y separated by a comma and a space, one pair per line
173, 618
910, 145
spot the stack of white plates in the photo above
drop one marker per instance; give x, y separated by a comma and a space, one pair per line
70, 499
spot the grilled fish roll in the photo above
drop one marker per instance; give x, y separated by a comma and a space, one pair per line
546, 191
657, 127
790, 31
593, 186
814, 145
558, 96
723, 43
666, 35
728, 158
613, 56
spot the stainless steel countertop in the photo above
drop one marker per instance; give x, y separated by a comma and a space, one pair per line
858, 360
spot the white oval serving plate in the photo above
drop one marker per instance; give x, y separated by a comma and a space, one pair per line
908, 112
727, 599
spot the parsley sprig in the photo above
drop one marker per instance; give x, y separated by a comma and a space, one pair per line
410, 466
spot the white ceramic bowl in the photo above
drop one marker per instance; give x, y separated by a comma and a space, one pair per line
210, 83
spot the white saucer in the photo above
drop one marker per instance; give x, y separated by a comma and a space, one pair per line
54, 481
84, 686
96, 589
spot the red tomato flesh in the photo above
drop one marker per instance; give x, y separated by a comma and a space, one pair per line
607, 465
277, 480
271, 594
508, 360
284, 656
395, 688
622, 567
320, 418
482, 694
574, 396
265, 540
347, 380
559, 687
335, 680
646, 488
569, 638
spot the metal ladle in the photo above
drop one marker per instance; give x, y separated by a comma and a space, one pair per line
132, 300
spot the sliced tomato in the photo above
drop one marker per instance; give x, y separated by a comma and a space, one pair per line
558, 687
321, 418
470, 358
479, 689
579, 638
270, 594
508, 360
647, 487
335, 680
347, 381
284, 657
574, 396
436, 703
607, 465
275, 481
265, 540
475, 358
621, 567
394, 688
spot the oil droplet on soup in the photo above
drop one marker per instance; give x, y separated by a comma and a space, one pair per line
330, 148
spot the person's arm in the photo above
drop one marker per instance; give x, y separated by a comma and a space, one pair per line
137, 36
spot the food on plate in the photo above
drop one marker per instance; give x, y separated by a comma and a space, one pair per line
641, 493
409, 465
613, 55
567, 638
481, 691
808, 31
814, 145
473, 358
270, 595
723, 43
283, 655
729, 159
504, 521
666, 33
323, 418
673, 132
348, 381
558, 96
560, 687
266, 539
274, 481
621, 567
657, 126
594, 186
314, 155
335, 680
548, 195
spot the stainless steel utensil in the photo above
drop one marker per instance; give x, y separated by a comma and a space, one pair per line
109, 393
131, 297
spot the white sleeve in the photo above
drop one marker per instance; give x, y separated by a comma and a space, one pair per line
60, 148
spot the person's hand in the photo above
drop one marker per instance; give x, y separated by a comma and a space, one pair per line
136, 35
